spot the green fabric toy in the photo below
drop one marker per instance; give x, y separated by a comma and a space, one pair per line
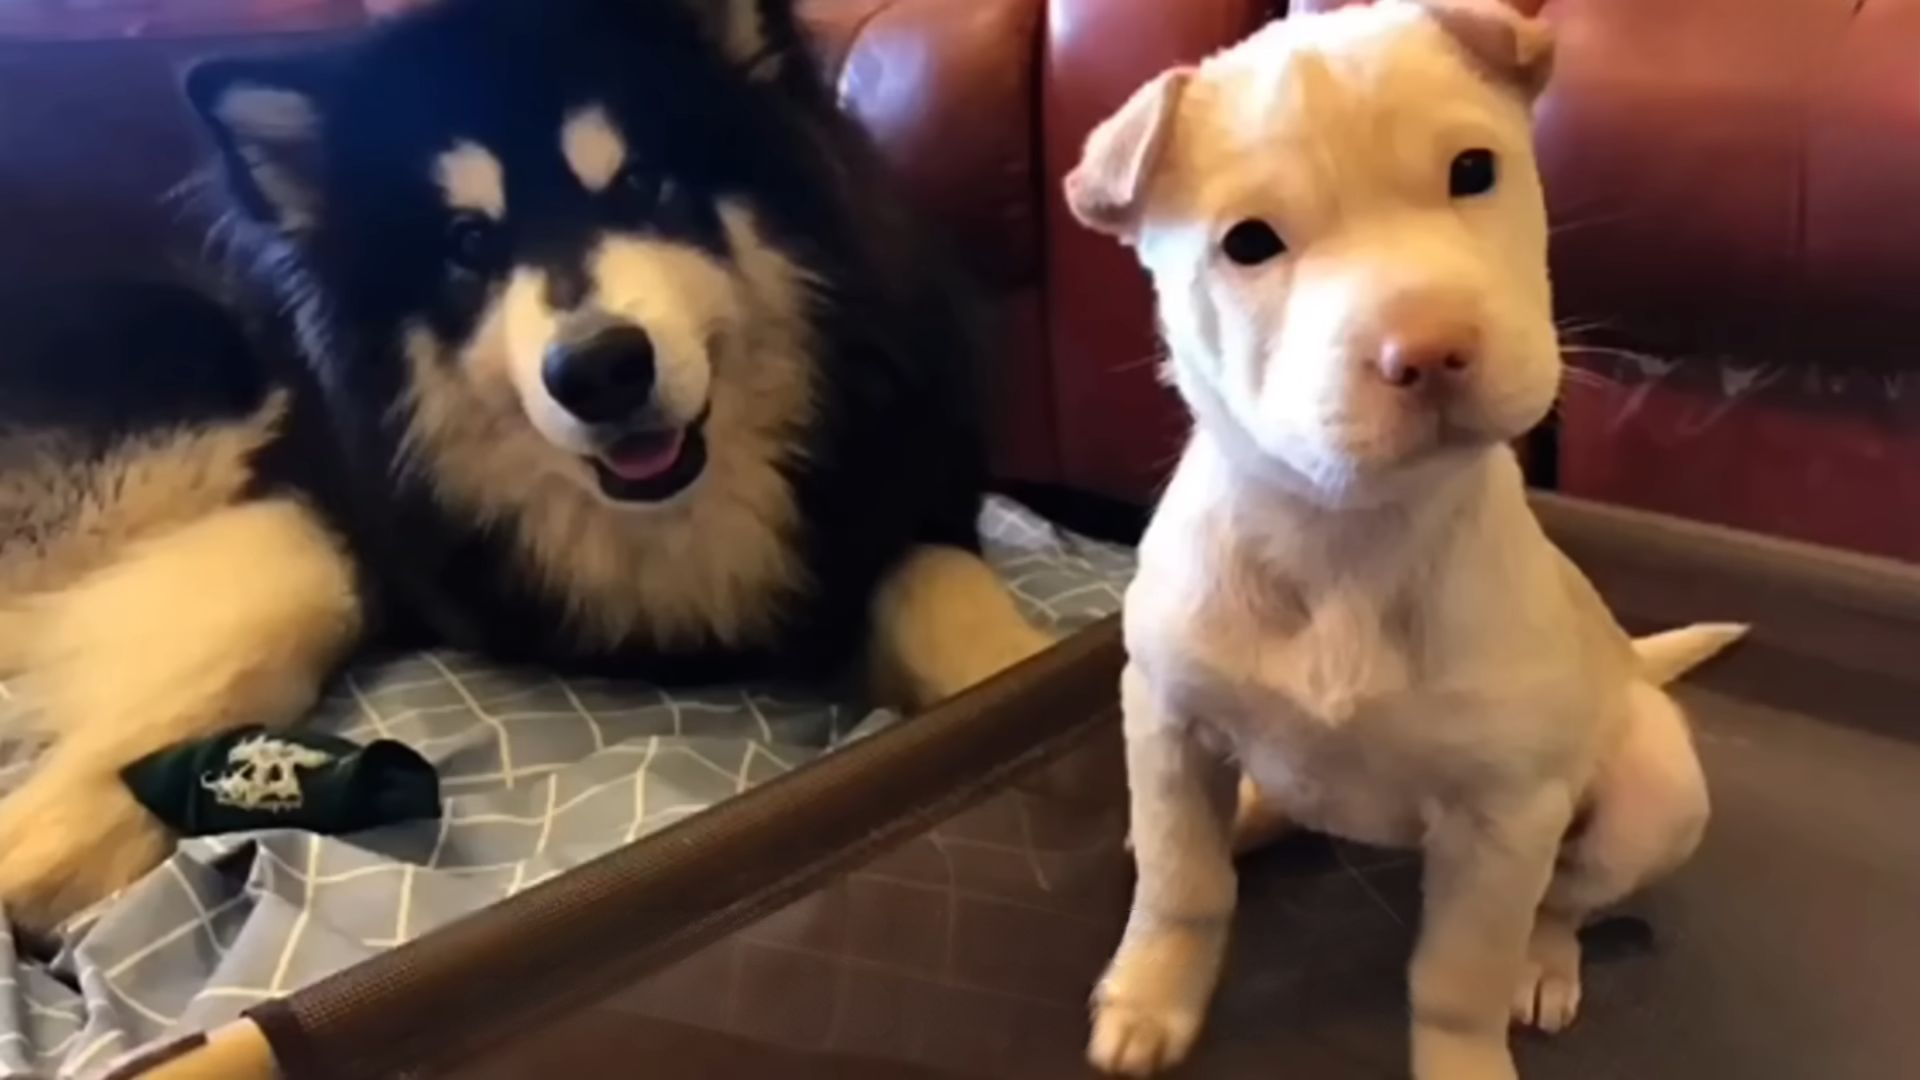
254, 778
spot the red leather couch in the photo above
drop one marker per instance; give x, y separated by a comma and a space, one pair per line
1735, 190
1732, 186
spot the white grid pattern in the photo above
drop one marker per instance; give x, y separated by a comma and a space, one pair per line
539, 774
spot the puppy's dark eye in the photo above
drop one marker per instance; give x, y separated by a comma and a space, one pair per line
1252, 242
1474, 173
476, 244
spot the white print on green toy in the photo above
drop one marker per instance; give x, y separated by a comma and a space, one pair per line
263, 774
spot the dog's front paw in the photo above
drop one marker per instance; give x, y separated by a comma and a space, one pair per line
1139, 1039
69, 840
1548, 997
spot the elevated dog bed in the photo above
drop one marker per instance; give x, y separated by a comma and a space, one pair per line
538, 775
963, 945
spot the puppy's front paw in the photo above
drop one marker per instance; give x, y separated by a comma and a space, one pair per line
1148, 1009
1548, 997
70, 839
1136, 1039
1443, 1054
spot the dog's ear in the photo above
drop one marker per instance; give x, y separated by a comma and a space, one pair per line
265, 118
1106, 190
1510, 46
756, 35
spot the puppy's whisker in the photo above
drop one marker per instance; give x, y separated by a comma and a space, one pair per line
1153, 360
1567, 328
1561, 228
1574, 218
1647, 360
1572, 376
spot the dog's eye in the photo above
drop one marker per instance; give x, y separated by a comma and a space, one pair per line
1474, 173
1252, 242
636, 190
476, 244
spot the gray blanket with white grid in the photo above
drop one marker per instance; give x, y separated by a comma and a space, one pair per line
539, 774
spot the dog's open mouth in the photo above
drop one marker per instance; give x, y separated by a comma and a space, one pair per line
652, 466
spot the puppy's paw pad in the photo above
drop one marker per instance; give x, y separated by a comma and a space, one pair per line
1135, 1040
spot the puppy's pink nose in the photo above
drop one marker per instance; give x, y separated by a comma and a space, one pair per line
1430, 339
1410, 363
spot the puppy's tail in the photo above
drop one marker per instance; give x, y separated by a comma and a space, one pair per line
1670, 654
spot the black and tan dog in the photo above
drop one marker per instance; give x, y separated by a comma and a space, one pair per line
578, 332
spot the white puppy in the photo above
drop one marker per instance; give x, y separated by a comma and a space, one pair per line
1344, 592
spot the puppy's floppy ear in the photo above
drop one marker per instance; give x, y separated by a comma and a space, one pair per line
1107, 190
265, 117
1509, 45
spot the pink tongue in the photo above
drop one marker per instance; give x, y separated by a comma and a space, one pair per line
646, 457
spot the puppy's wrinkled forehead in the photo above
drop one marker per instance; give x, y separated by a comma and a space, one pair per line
1343, 106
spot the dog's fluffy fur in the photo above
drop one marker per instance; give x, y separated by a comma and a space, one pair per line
1343, 592
205, 507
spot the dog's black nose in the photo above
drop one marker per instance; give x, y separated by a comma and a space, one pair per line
602, 379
